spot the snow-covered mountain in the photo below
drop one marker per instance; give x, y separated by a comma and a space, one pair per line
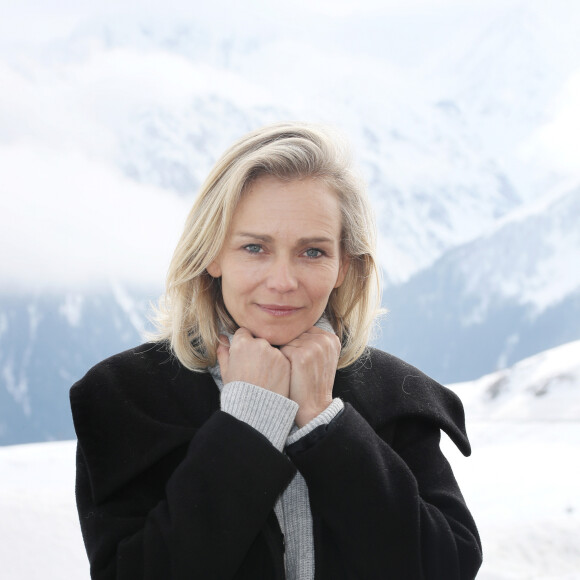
439, 138
48, 342
510, 293
462, 118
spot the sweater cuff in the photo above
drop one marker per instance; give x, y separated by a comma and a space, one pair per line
267, 412
323, 419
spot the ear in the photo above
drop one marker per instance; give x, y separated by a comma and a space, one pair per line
342, 270
214, 269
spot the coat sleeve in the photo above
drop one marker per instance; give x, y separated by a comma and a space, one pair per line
193, 513
386, 504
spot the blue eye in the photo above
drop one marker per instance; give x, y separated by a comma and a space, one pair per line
313, 253
253, 248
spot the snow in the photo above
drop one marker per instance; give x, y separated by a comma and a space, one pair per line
17, 386
40, 536
3, 323
559, 138
523, 478
127, 304
72, 308
521, 482
544, 387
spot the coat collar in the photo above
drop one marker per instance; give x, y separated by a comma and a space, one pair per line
384, 388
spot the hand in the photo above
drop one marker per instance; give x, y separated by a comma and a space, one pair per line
255, 361
313, 359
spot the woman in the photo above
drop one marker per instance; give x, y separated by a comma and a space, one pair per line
258, 436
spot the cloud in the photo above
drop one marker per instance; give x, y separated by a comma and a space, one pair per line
68, 221
557, 142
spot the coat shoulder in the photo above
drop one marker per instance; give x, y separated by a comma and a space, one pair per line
134, 408
386, 388
124, 368
148, 380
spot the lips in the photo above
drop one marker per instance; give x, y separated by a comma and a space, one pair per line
278, 309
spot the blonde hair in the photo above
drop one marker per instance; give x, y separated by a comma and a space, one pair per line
192, 310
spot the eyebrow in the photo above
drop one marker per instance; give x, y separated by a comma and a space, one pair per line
301, 241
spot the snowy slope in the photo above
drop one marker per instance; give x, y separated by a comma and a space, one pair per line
544, 387
521, 484
523, 477
521, 481
40, 537
527, 513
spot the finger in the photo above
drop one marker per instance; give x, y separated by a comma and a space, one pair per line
314, 342
302, 342
316, 330
243, 333
312, 335
286, 350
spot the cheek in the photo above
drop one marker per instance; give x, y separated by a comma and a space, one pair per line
322, 285
237, 281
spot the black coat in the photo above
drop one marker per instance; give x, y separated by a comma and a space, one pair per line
169, 486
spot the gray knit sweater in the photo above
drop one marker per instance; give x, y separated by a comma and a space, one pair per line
273, 415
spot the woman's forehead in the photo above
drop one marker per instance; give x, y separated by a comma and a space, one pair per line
271, 204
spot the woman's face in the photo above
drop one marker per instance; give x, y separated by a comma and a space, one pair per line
281, 258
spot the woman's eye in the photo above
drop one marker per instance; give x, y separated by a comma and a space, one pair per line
253, 248
313, 253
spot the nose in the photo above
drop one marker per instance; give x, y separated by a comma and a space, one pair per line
281, 276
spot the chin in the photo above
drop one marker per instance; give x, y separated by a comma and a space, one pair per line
278, 337
277, 340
